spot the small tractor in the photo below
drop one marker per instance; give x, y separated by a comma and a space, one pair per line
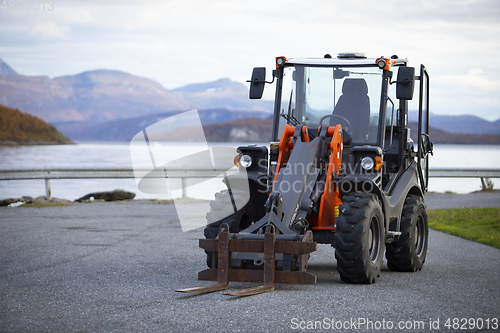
341, 170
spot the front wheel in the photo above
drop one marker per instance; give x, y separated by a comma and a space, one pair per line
359, 239
222, 212
408, 253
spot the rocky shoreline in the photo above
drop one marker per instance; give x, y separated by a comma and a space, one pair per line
116, 195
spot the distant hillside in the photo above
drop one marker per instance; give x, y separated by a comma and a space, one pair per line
126, 129
259, 130
440, 136
222, 93
17, 127
241, 130
460, 123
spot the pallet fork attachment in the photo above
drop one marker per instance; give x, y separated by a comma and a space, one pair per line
269, 268
269, 245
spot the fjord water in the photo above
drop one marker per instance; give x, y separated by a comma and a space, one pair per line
117, 154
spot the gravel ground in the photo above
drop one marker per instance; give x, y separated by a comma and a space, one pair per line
102, 267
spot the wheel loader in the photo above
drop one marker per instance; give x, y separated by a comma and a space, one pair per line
341, 169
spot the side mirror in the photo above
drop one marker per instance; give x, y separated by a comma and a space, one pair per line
406, 79
257, 82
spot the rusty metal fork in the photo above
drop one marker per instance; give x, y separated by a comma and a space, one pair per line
269, 268
222, 267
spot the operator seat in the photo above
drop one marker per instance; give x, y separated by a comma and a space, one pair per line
354, 105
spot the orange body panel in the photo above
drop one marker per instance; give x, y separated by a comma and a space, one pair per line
325, 220
328, 209
286, 146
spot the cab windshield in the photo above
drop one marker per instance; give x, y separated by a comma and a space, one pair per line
349, 96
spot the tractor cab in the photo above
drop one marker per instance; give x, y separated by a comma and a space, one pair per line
331, 94
368, 97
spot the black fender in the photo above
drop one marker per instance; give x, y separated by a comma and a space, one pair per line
253, 178
392, 202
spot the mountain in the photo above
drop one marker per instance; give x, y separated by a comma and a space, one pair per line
126, 129
221, 93
460, 123
17, 127
259, 130
90, 104
103, 95
241, 130
252, 129
95, 96
443, 137
6, 69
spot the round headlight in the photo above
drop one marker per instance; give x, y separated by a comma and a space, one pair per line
367, 163
246, 161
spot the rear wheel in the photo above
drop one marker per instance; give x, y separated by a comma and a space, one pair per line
408, 253
359, 239
222, 211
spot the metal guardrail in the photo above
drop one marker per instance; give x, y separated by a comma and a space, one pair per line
126, 172
107, 173
464, 173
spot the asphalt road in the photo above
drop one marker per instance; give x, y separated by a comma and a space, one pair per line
102, 267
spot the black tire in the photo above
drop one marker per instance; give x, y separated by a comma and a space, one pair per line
359, 239
408, 253
222, 211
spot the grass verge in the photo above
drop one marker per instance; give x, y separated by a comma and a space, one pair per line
478, 224
45, 204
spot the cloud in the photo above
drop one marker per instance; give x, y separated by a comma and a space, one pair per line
476, 78
184, 41
50, 30
150, 15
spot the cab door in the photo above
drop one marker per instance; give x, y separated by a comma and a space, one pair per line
425, 145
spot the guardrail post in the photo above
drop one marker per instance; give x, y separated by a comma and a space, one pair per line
184, 188
48, 194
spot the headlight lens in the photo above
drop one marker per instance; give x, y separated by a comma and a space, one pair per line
367, 163
246, 161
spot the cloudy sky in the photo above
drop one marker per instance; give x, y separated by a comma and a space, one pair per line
177, 42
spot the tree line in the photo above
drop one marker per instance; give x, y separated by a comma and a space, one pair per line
20, 127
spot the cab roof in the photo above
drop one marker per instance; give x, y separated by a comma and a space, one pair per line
343, 61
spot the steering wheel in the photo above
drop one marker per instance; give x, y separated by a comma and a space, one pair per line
347, 122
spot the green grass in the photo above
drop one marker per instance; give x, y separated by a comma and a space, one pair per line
478, 224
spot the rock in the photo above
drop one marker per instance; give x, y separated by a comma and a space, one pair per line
39, 199
108, 196
27, 199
